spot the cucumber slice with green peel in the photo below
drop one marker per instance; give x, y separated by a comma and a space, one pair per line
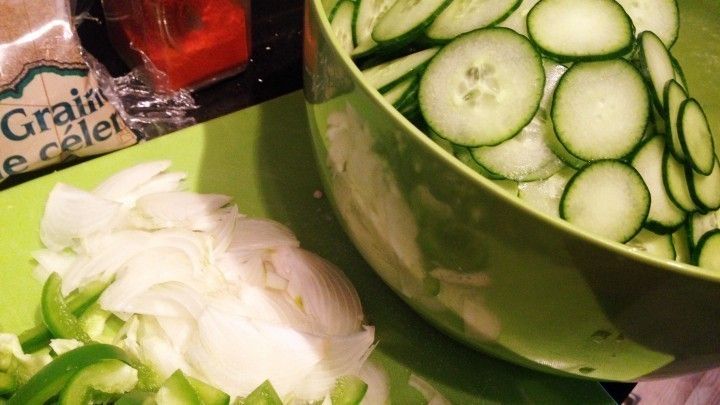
657, 61
367, 13
705, 190
348, 390
177, 390
576, 30
385, 75
707, 253
653, 244
524, 157
264, 394
607, 198
601, 109
676, 182
483, 87
659, 16
679, 73
680, 242
341, 23
664, 216
517, 21
398, 92
561, 152
699, 224
545, 195
673, 97
405, 20
99, 383
463, 154
462, 16
695, 137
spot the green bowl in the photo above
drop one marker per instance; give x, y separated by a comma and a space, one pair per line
485, 268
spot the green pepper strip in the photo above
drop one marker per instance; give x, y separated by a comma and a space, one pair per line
38, 337
58, 317
51, 379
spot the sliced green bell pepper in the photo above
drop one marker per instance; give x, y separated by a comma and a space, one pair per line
348, 390
176, 390
38, 337
101, 382
58, 317
208, 394
264, 394
52, 378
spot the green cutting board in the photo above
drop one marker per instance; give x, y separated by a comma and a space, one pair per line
262, 156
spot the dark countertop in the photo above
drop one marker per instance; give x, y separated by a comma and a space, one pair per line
275, 69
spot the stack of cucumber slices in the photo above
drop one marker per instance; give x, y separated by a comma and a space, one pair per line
578, 107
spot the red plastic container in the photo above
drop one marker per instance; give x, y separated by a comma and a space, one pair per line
191, 42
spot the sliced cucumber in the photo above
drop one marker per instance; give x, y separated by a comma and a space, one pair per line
405, 20
580, 29
676, 182
395, 94
699, 224
483, 87
705, 190
664, 215
659, 16
367, 13
517, 21
657, 61
608, 198
341, 23
682, 248
545, 195
601, 109
462, 16
679, 73
524, 157
673, 97
463, 154
660, 246
707, 253
695, 137
388, 74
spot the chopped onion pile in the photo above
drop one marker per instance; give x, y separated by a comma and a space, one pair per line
228, 299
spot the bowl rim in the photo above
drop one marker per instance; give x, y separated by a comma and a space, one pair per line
684, 269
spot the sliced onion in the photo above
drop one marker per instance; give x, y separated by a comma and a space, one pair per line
117, 186
50, 261
325, 293
259, 234
72, 214
181, 208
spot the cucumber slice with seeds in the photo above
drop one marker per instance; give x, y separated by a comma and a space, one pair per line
705, 190
483, 87
659, 16
405, 20
607, 198
386, 75
673, 97
601, 109
462, 16
664, 215
695, 137
580, 29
